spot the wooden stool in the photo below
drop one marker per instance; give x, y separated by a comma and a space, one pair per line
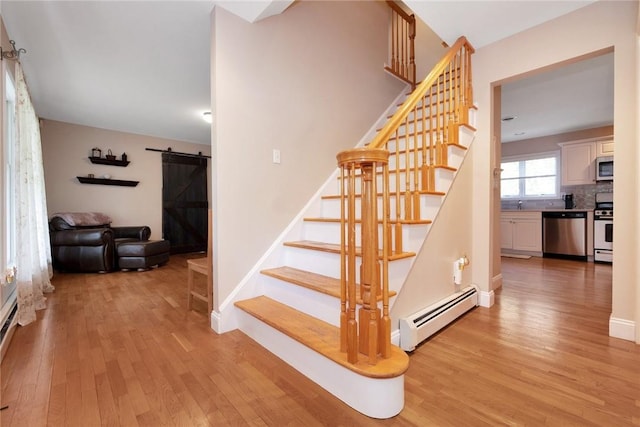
203, 266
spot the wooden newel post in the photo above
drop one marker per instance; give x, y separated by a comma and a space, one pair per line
366, 336
370, 285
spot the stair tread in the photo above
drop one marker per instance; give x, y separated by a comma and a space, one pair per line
391, 221
411, 150
317, 282
335, 248
321, 337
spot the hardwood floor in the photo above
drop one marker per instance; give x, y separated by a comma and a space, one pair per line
121, 349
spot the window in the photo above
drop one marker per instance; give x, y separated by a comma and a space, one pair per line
530, 177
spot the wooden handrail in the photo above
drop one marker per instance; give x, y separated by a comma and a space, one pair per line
439, 105
394, 122
393, 5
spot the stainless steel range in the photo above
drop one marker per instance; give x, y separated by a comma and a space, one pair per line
603, 228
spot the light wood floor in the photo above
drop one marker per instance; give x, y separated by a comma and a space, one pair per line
120, 349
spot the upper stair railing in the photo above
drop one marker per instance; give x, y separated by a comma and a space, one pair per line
411, 145
402, 40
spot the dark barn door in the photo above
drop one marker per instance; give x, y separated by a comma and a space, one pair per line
184, 199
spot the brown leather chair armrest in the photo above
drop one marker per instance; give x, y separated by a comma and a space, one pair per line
132, 232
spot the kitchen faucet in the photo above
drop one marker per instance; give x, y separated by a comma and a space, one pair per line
519, 205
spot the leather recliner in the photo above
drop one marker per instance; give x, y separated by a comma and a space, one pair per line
90, 248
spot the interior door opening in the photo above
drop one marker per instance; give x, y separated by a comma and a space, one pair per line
184, 202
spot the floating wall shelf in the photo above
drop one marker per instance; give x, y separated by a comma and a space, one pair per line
102, 161
104, 181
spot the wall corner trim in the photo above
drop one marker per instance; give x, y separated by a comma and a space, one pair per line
220, 325
486, 299
496, 282
622, 328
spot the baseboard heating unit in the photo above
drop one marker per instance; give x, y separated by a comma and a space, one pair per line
421, 325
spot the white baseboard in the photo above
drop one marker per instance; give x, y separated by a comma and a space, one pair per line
224, 323
496, 282
395, 337
486, 299
215, 322
622, 328
4, 346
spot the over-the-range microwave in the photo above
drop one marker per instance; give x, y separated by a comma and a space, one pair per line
604, 168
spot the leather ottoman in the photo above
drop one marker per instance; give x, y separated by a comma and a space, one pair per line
142, 255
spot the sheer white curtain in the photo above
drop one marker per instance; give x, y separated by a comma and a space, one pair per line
32, 231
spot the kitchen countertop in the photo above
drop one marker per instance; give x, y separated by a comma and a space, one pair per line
547, 210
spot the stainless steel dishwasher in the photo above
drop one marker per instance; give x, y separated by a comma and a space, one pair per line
564, 235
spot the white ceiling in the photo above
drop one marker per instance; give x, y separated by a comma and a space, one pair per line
569, 98
143, 66
140, 67
484, 22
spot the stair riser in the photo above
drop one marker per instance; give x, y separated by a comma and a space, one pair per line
376, 398
430, 110
432, 131
412, 235
465, 135
319, 262
318, 305
454, 155
444, 178
418, 123
401, 182
328, 264
429, 205
472, 119
421, 139
412, 126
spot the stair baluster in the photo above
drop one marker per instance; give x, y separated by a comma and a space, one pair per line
442, 102
402, 43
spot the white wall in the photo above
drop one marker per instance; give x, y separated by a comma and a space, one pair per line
601, 25
545, 144
428, 49
637, 207
65, 150
431, 277
309, 82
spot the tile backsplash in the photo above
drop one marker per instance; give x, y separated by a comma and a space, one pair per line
584, 197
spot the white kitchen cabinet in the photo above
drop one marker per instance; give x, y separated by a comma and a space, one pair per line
506, 232
578, 166
604, 148
521, 231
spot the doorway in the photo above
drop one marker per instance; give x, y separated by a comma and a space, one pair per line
184, 202
536, 112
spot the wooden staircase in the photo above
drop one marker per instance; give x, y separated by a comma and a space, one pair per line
300, 298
